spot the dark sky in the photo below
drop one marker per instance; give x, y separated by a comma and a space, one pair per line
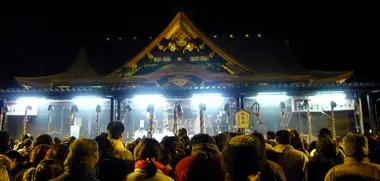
43, 37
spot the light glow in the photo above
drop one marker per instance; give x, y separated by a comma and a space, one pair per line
326, 97
275, 97
211, 100
84, 102
142, 101
31, 101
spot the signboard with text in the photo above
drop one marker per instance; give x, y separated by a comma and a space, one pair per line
243, 119
321, 105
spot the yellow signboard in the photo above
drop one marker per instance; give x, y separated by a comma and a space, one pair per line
243, 119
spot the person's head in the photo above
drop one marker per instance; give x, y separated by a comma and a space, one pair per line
182, 132
38, 153
271, 135
27, 143
283, 137
58, 152
150, 150
202, 139
326, 145
43, 139
325, 131
15, 157
355, 145
259, 136
105, 146
115, 130
57, 140
244, 158
294, 133
83, 153
24, 137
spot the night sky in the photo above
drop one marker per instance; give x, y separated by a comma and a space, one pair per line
41, 38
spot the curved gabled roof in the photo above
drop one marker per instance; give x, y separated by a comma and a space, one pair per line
80, 68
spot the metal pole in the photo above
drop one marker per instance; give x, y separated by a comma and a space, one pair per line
361, 116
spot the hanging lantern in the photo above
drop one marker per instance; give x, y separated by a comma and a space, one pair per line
256, 108
128, 107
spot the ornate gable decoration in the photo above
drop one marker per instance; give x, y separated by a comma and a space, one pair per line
180, 40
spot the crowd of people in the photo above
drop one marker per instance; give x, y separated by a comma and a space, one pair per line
279, 156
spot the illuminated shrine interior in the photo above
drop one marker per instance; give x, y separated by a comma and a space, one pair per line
134, 115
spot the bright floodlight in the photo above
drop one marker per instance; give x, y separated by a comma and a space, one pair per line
142, 101
30, 101
271, 97
83, 102
211, 100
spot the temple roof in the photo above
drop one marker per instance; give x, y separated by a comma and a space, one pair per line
182, 50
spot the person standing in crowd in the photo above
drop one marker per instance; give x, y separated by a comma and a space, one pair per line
292, 161
271, 138
272, 171
356, 165
327, 157
110, 167
4, 142
115, 132
244, 158
203, 163
80, 163
147, 168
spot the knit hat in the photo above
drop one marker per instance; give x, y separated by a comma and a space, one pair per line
244, 156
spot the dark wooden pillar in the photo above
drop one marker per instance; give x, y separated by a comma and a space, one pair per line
371, 115
118, 110
112, 109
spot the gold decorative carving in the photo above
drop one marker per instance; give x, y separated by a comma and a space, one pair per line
211, 55
190, 47
180, 37
179, 81
150, 56
161, 47
202, 46
180, 40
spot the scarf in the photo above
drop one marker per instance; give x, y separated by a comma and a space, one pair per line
142, 164
205, 150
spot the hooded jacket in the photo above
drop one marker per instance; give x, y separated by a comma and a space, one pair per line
292, 161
